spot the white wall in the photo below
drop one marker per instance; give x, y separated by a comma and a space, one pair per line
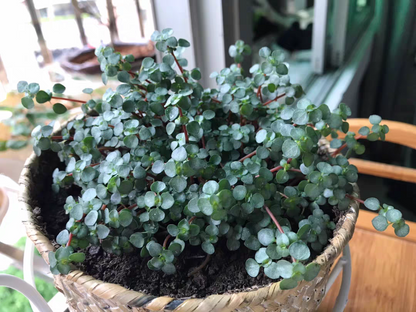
176, 15
201, 23
208, 33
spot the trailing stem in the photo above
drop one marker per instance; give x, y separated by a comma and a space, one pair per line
281, 167
180, 110
354, 198
274, 219
275, 99
259, 95
276, 169
69, 240
276, 223
184, 127
66, 99
248, 156
59, 137
199, 268
165, 242
283, 195
129, 207
179, 66
339, 149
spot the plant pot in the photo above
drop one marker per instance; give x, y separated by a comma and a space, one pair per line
85, 61
84, 293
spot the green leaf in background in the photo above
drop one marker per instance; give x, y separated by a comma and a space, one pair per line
58, 88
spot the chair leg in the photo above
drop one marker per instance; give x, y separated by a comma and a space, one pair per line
28, 291
342, 298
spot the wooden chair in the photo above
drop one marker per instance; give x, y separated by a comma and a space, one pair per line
400, 133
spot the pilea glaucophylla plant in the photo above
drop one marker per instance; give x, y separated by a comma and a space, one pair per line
164, 163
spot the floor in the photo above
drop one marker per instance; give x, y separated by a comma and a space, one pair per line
383, 271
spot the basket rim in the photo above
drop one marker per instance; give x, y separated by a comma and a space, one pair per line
342, 235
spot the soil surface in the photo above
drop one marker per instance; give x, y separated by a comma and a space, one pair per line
225, 271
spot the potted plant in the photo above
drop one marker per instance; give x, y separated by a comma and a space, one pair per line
196, 199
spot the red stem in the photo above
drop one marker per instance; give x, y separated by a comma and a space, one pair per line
132, 73
180, 110
280, 167
215, 100
295, 170
203, 142
354, 198
283, 195
179, 66
276, 169
248, 156
165, 242
105, 148
339, 149
274, 219
69, 240
276, 98
66, 99
259, 95
141, 87
199, 268
129, 207
276, 223
184, 127
59, 137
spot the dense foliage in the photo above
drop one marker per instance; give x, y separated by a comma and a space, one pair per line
164, 163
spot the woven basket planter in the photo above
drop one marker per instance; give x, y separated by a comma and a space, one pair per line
85, 293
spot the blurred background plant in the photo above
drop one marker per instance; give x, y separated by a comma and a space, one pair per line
21, 122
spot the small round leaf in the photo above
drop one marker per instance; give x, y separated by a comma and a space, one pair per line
252, 267
380, 223
372, 203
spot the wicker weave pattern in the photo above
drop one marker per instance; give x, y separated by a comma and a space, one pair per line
84, 293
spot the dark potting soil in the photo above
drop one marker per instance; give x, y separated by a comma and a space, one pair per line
225, 272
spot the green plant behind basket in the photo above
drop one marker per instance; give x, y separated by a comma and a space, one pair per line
22, 121
164, 164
